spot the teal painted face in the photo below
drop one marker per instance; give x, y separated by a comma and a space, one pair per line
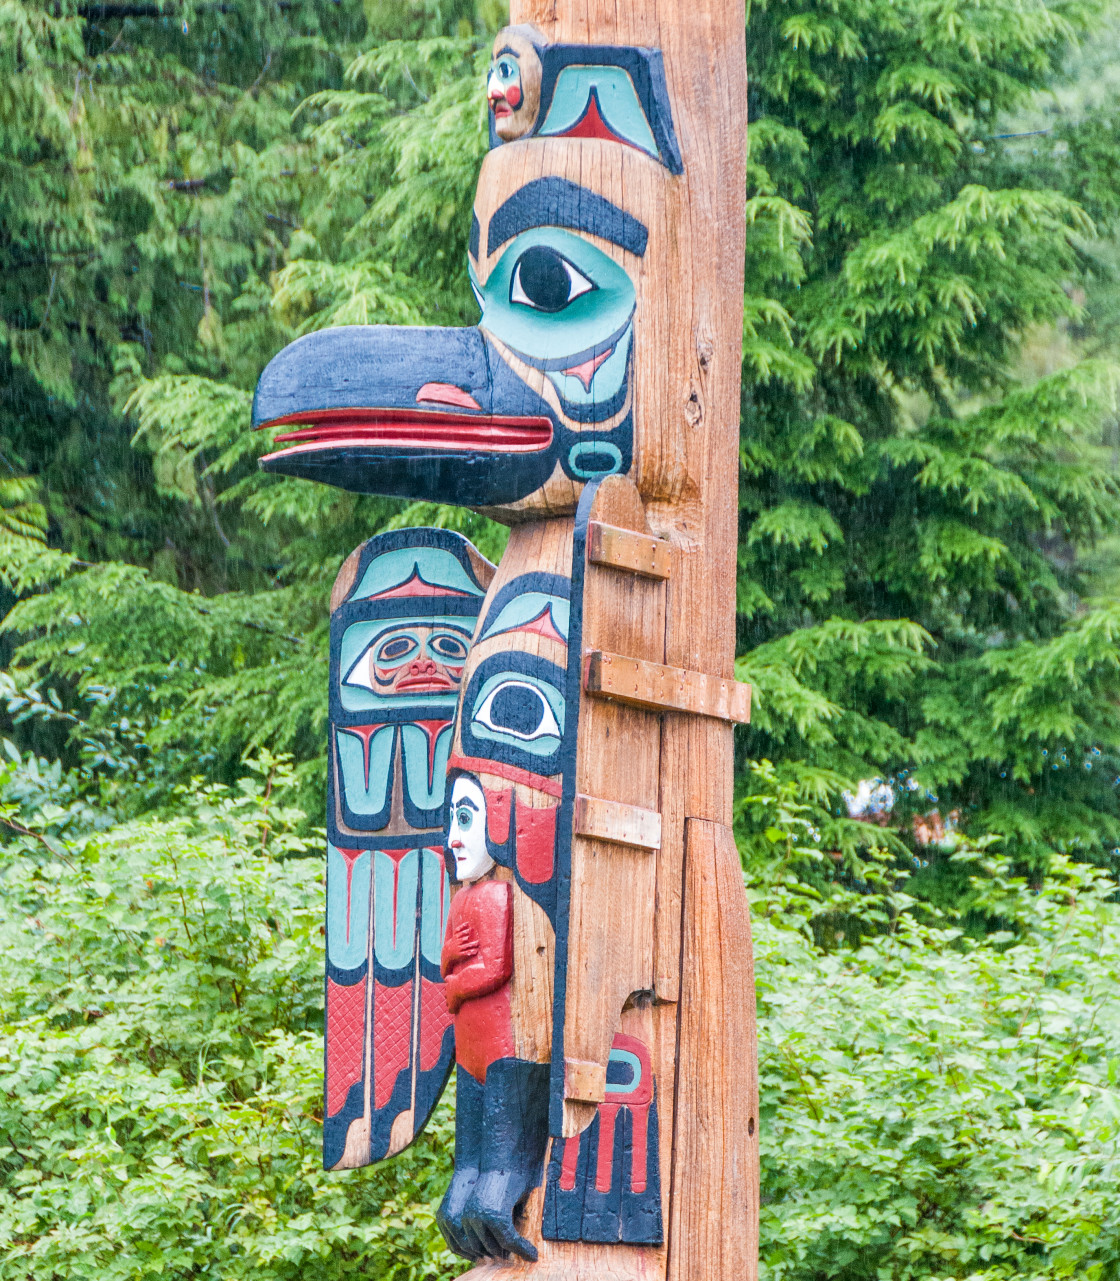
409, 657
562, 305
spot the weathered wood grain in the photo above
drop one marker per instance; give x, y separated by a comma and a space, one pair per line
713, 1229
584, 1082
687, 353
610, 930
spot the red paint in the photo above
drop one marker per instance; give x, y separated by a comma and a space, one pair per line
477, 985
432, 729
346, 1034
586, 371
392, 1038
608, 1112
498, 805
592, 125
638, 1141
542, 625
415, 586
446, 394
550, 785
513, 96
435, 1019
424, 677
350, 857
536, 843
364, 733
638, 1101
569, 1164
413, 429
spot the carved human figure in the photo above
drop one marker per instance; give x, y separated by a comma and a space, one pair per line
501, 1124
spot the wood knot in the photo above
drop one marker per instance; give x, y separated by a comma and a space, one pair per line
705, 352
693, 410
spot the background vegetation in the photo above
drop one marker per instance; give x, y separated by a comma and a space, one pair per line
929, 602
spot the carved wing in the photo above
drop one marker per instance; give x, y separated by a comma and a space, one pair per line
403, 612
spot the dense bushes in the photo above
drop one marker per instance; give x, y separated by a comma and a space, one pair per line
161, 1059
933, 1107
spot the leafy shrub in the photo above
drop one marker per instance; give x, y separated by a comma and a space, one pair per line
933, 1106
161, 1057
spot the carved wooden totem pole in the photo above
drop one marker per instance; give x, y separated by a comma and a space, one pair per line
531, 871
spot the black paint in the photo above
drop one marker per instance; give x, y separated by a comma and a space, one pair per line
556, 202
501, 1134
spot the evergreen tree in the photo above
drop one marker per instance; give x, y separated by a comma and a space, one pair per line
917, 600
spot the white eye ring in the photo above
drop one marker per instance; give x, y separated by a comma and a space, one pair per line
578, 284
547, 725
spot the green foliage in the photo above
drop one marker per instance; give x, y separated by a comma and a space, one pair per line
933, 1105
937, 1108
918, 586
161, 1053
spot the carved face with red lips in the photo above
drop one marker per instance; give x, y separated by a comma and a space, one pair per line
513, 83
411, 659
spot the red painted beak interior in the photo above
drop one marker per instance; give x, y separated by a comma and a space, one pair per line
412, 429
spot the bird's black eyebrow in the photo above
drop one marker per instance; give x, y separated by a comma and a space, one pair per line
465, 800
555, 202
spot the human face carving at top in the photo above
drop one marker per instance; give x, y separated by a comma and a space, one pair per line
513, 84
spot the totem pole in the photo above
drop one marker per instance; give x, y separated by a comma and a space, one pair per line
531, 873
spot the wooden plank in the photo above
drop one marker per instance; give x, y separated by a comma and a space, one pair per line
713, 1219
613, 821
639, 683
585, 1082
624, 549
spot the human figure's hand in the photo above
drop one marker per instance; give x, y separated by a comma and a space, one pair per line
466, 941
461, 945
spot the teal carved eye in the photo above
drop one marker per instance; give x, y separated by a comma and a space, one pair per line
448, 649
555, 298
464, 817
546, 280
519, 708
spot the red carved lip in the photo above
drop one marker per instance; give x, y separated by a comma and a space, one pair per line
425, 684
412, 429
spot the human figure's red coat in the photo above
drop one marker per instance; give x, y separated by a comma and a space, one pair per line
476, 976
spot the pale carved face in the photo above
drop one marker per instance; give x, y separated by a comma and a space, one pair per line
466, 837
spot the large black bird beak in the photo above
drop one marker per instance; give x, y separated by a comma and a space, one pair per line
416, 413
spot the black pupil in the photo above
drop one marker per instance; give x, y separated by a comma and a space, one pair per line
448, 647
395, 648
544, 278
517, 708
